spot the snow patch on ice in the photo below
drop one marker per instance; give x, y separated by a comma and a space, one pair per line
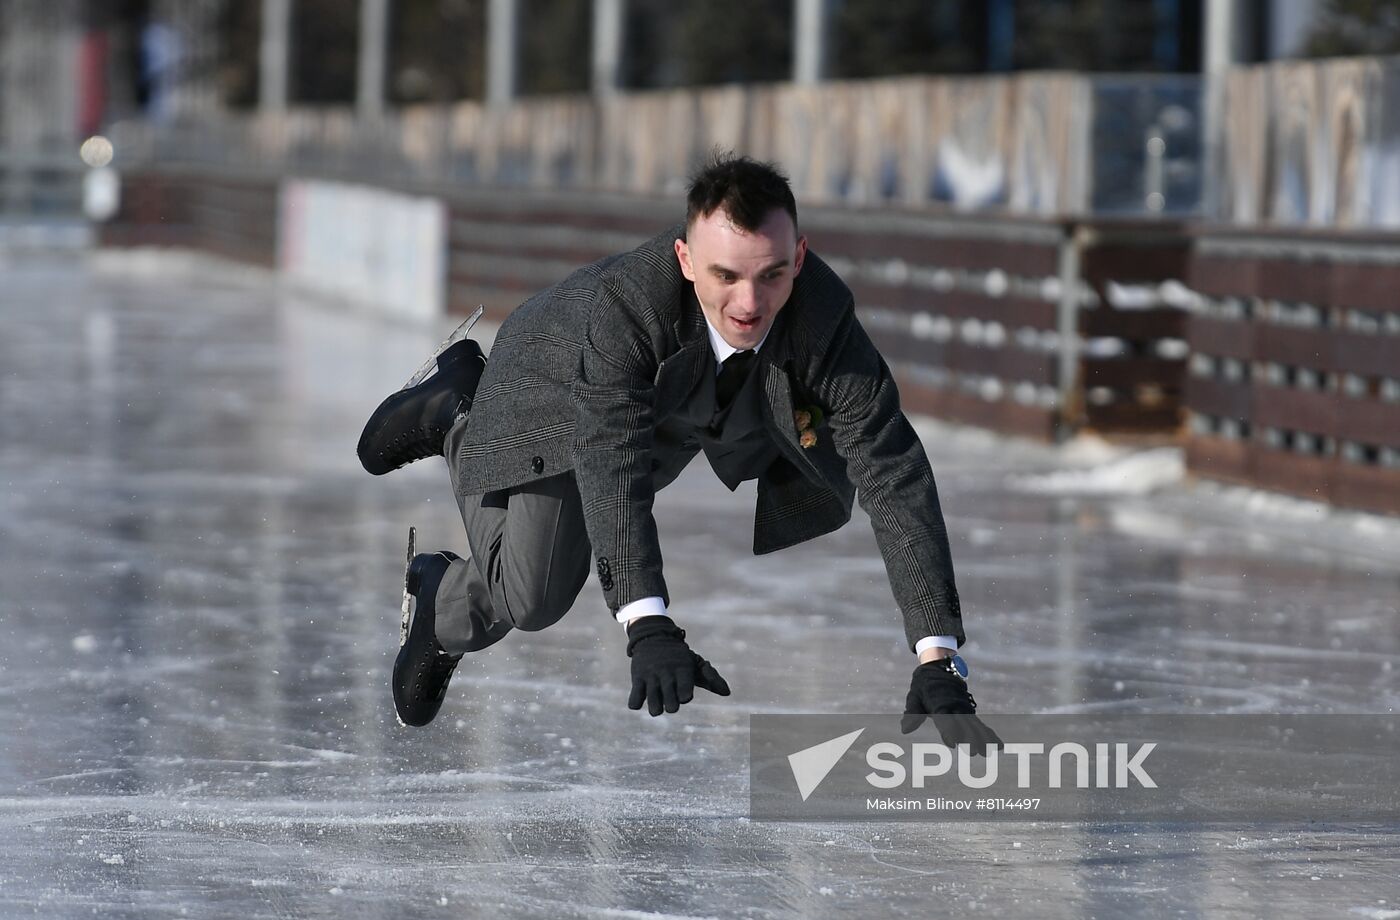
1090, 450
1288, 507
1293, 520
1274, 504
333, 756
85, 643
1134, 474
162, 264
1148, 523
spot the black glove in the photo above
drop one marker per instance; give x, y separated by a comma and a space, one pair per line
939, 691
665, 672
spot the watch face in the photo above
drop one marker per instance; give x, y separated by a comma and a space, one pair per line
959, 666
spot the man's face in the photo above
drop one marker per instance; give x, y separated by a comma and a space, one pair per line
742, 279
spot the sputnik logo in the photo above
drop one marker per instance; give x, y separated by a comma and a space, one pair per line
811, 765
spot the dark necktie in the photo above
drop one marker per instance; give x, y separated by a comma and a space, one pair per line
731, 377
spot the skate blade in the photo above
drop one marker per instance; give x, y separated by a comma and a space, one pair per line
407, 598
461, 332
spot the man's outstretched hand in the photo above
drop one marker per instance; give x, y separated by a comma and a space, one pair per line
940, 692
665, 672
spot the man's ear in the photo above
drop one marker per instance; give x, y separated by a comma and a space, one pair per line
799, 255
683, 256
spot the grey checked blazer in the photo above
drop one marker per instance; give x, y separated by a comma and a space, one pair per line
581, 372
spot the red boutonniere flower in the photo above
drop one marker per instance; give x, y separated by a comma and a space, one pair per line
807, 421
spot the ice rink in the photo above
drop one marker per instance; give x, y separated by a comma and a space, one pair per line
200, 610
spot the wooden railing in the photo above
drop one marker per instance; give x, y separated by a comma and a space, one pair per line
1294, 379
1020, 326
234, 217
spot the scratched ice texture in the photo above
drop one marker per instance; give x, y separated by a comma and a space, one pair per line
200, 609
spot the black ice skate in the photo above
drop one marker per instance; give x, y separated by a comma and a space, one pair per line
423, 667
412, 423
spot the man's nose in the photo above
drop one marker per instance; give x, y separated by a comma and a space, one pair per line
746, 296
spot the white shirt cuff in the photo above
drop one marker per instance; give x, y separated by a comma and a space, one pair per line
641, 607
928, 642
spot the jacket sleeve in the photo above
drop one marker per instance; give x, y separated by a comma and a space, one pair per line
613, 396
894, 482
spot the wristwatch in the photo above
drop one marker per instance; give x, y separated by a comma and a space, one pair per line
953, 664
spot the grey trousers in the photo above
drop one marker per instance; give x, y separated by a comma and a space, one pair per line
529, 560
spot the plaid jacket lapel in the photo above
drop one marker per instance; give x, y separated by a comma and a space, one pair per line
677, 375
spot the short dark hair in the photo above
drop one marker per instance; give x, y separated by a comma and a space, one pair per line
747, 189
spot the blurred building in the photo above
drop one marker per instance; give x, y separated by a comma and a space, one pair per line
70, 65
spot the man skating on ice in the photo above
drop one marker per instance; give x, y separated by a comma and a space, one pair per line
722, 336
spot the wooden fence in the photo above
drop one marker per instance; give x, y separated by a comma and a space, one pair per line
234, 217
1294, 379
1045, 144
1039, 328
1311, 142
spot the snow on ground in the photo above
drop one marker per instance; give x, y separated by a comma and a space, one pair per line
1134, 473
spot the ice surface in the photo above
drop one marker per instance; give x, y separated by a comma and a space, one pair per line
200, 591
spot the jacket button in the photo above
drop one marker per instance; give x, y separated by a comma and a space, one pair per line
537, 464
